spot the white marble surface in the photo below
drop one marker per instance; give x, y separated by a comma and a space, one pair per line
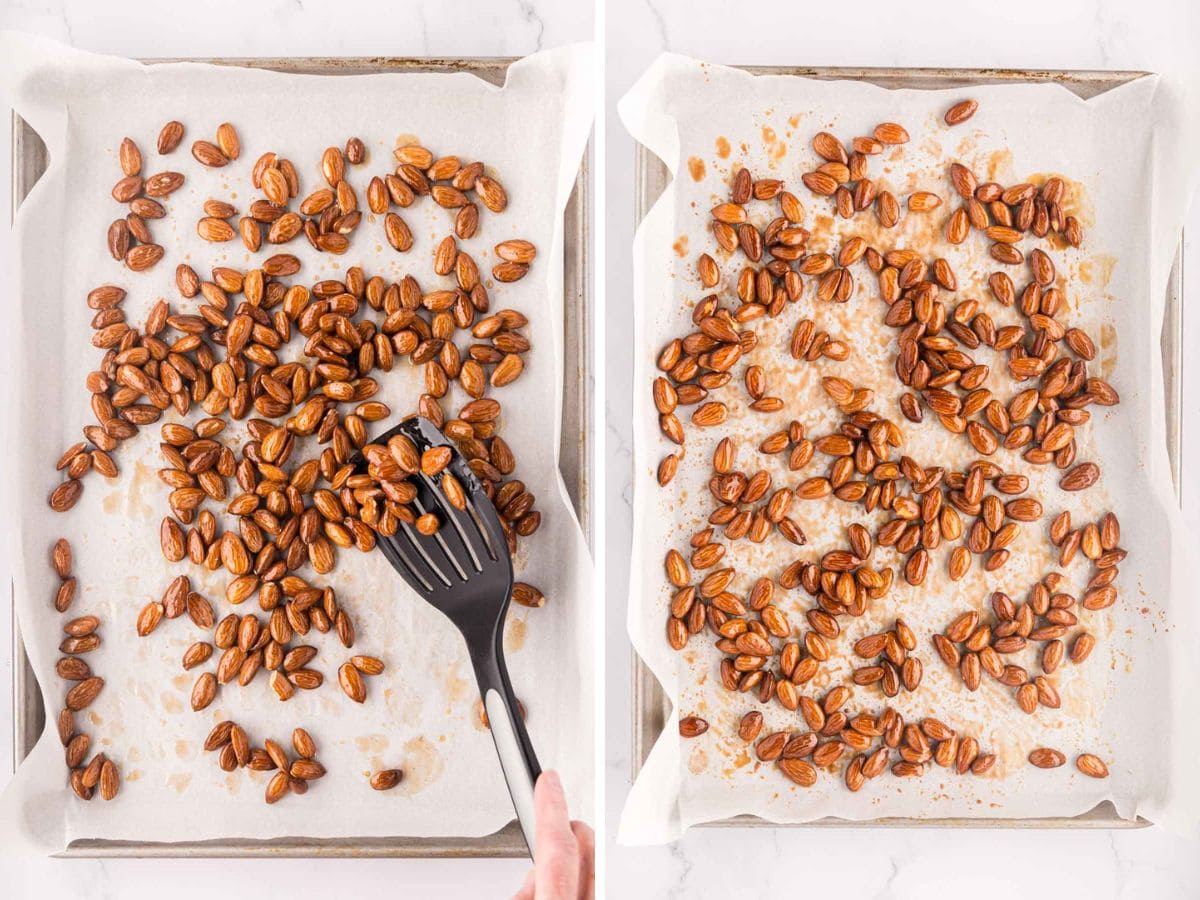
169, 28
855, 862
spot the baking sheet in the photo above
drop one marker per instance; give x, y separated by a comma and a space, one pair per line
651, 708
423, 714
575, 463
679, 110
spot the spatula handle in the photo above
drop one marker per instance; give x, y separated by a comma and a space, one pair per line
517, 759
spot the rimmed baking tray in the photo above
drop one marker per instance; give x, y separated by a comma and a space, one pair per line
575, 462
651, 706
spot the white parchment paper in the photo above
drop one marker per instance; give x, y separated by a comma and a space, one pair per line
420, 715
1122, 154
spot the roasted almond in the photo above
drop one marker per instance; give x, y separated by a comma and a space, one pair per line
961, 111
1045, 758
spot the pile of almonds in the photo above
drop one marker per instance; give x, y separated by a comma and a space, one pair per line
291, 775
82, 636
263, 389
129, 239
978, 511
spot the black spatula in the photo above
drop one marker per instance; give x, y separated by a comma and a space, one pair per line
465, 571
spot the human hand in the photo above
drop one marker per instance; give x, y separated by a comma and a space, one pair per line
565, 868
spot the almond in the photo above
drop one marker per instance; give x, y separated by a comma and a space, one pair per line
1045, 758
84, 693
170, 137
961, 111
351, 683
209, 154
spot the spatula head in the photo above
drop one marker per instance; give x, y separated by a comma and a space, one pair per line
464, 568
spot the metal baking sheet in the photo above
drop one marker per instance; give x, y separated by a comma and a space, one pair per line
29, 161
651, 707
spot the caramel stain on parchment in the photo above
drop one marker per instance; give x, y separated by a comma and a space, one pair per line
1077, 202
423, 765
1098, 270
456, 687
403, 140
1108, 336
1108, 349
403, 703
183, 749
371, 743
170, 703
697, 760
131, 502
776, 149
999, 161
135, 775
680, 246
179, 781
514, 635
723, 149
695, 168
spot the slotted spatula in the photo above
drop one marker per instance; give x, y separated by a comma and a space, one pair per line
465, 571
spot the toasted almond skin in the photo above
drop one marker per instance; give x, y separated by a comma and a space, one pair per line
516, 251
71, 668
215, 230
60, 557
799, 771
509, 272
170, 137
84, 693
1046, 758
209, 154
65, 495
110, 780
961, 111
491, 193
143, 256
228, 141
527, 595
368, 665
386, 779
149, 618
1080, 478
277, 787
129, 157
891, 133
1092, 766
921, 201
351, 683
163, 184
204, 691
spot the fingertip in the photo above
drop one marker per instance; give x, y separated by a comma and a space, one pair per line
526, 890
549, 781
583, 833
548, 793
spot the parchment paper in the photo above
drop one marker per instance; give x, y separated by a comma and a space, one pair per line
1129, 182
420, 715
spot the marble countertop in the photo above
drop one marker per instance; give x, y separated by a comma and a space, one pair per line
856, 862
706, 862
